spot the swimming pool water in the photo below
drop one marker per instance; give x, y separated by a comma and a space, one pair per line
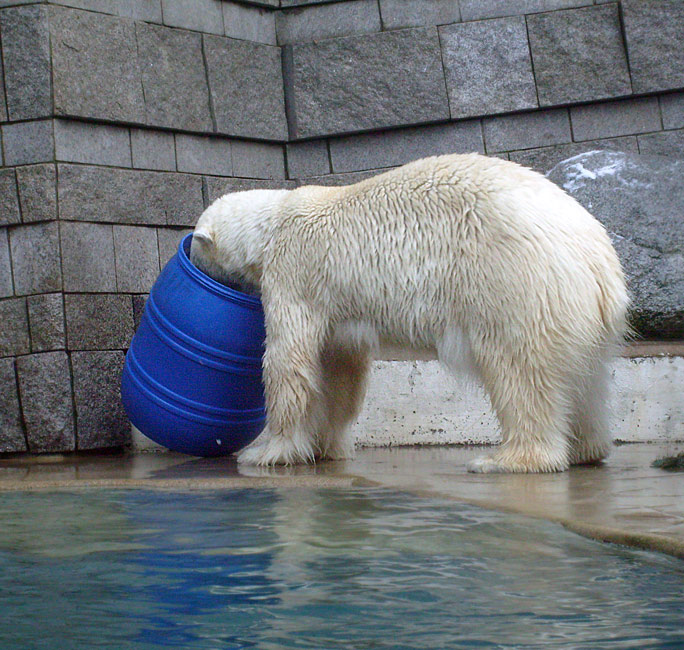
321, 569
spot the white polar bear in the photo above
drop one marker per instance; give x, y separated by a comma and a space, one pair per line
483, 260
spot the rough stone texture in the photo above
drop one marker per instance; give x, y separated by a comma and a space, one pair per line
199, 15
169, 239
672, 108
148, 10
307, 159
88, 257
526, 130
125, 196
138, 309
3, 95
249, 23
578, 55
100, 416
137, 258
6, 285
488, 67
258, 160
638, 199
45, 389
174, 82
9, 204
35, 258
217, 187
11, 428
98, 322
397, 14
153, 149
95, 66
377, 150
26, 54
246, 85
342, 179
365, 82
544, 158
97, 144
14, 333
319, 22
610, 119
28, 142
477, 9
666, 143
204, 155
46, 322
653, 30
37, 192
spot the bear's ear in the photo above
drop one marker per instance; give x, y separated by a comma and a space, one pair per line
202, 237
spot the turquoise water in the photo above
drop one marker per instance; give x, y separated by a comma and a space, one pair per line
356, 569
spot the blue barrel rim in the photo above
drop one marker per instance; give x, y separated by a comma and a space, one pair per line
254, 302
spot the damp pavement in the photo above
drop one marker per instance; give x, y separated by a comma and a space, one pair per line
623, 501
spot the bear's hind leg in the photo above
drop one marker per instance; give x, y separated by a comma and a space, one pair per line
592, 441
533, 407
345, 377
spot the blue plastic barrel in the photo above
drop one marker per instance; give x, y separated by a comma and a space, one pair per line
192, 377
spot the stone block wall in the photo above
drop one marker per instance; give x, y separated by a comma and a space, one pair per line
120, 120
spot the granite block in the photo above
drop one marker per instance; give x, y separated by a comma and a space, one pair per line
26, 59
609, 119
37, 192
343, 179
578, 55
397, 14
258, 160
36, 258
6, 285
169, 239
478, 9
46, 322
672, 109
487, 67
136, 253
392, 148
14, 333
95, 66
217, 187
28, 142
254, 24
47, 402
307, 158
204, 155
11, 426
665, 143
246, 85
147, 10
365, 82
153, 149
100, 417
318, 22
9, 203
98, 322
174, 80
101, 6
653, 31
88, 257
128, 197
200, 15
97, 144
526, 130
543, 159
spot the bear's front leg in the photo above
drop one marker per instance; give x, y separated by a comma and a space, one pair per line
292, 380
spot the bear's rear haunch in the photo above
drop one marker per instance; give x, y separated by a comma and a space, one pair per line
491, 264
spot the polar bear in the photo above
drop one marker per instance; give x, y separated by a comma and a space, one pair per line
487, 262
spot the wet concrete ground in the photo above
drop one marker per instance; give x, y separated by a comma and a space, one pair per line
623, 501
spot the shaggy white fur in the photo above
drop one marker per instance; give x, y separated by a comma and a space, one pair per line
486, 261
